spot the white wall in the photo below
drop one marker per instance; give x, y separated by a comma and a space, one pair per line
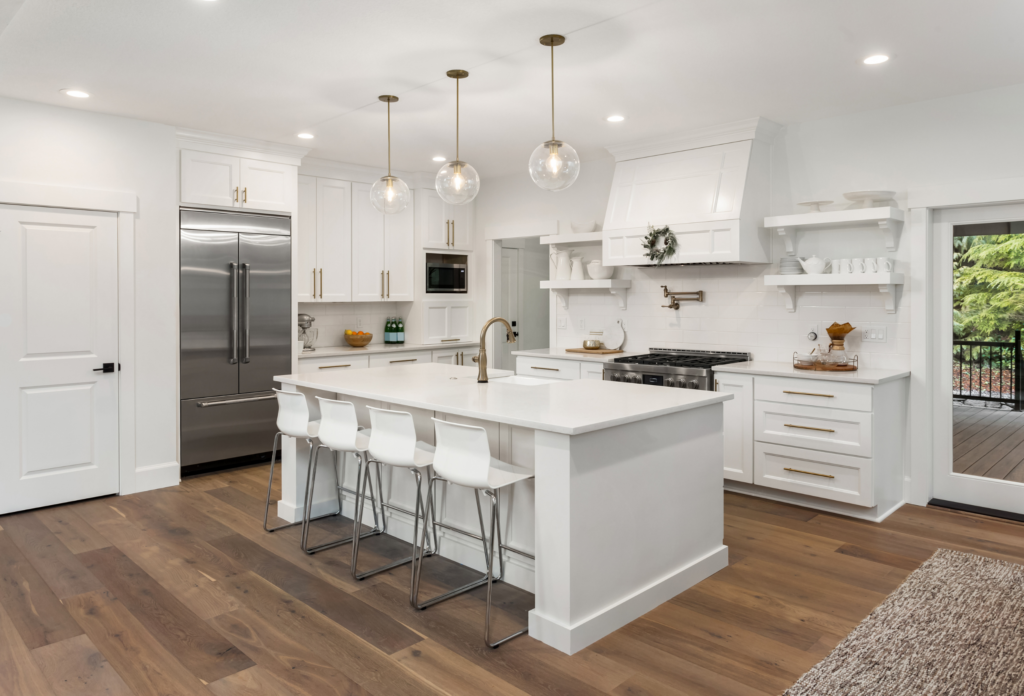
961, 138
51, 145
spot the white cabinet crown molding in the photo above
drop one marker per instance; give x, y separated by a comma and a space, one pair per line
756, 128
241, 147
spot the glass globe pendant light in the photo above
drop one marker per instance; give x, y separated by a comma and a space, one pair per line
554, 165
457, 182
389, 194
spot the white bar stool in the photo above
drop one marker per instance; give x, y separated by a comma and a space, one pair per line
294, 420
393, 442
340, 433
463, 457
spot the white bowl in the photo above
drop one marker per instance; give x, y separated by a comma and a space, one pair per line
599, 272
583, 227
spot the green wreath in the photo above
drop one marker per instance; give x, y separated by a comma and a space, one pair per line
666, 249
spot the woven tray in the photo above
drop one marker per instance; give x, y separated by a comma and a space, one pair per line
820, 367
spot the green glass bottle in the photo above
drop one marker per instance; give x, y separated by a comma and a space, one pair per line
401, 330
388, 332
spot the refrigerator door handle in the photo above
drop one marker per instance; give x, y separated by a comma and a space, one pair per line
234, 313
245, 315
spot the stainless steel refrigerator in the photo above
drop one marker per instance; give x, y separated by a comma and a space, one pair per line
236, 333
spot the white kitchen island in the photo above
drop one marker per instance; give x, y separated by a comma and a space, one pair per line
626, 509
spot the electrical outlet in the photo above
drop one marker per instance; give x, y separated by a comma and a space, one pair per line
359, 322
873, 333
562, 323
583, 324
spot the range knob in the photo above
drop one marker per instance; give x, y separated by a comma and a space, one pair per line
693, 384
616, 377
669, 382
636, 379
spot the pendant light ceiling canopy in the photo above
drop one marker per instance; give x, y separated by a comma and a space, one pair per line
457, 182
554, 165
389, 194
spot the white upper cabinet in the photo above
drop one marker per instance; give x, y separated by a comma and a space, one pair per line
383, 251
334, 240
399, 256
444, 226
713, 193
209, 178
266, 185
305, 282
447, 322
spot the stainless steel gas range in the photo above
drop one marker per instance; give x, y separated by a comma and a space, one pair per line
672, 367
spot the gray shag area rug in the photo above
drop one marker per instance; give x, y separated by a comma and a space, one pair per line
955, 627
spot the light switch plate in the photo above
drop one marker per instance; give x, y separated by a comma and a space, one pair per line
359, 322
583, 324
873, 333
562, 322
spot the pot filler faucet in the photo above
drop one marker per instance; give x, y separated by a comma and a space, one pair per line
481, 376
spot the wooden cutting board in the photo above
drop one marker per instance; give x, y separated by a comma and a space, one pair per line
600, 351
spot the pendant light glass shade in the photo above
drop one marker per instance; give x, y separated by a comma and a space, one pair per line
554, 165
457, 182
389, 194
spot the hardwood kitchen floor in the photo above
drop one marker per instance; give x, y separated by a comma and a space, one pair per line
180, 591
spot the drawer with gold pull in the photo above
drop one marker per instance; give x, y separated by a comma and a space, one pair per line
324, 364
819, 474
826, 429
814, 392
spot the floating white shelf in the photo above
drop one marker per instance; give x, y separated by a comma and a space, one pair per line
888, 283
562, 287
889, 220
581, 238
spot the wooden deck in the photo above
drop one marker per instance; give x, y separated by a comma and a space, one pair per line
179, 592
988, 442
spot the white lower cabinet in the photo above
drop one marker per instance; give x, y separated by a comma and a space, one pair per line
812, 472
738, 415
386, 359
591, 370
456, 356
548, 367
334, 362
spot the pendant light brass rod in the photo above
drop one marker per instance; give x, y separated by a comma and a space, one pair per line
456, 118
389, 139
552, 91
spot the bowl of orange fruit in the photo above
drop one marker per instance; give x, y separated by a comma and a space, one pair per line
358, 339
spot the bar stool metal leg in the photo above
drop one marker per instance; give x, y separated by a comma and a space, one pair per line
418, 563
419, 509
308, 508
495, 543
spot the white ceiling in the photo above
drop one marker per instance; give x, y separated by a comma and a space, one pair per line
270, 69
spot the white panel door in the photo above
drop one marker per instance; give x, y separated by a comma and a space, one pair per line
209, 179
266, 185
367, 247
399, 256
58, 310
738, 413
306, 285
334, 240
509, 307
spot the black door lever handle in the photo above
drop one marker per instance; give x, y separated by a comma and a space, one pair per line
107, 367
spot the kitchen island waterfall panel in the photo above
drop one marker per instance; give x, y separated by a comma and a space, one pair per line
626, 507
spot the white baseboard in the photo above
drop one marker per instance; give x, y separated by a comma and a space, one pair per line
872, 514
149, 478
572, 639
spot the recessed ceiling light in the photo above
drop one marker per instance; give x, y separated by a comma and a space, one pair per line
616, 119
306, 136
875, 60
439, 158
76, 93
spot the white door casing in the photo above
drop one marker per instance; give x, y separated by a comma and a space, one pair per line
59, 310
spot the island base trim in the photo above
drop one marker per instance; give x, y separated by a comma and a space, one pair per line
572, 639
878, 513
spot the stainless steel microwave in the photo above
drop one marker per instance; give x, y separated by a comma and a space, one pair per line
446, 277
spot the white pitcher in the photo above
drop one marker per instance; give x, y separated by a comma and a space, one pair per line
577, 267
563, 265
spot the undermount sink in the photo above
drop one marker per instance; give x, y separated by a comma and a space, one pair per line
520, 380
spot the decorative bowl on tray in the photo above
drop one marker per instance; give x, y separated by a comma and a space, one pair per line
358, 340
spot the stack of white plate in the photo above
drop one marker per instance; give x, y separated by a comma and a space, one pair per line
789, 265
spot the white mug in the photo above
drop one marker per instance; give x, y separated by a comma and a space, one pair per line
885, 264
871, 265
857, 266
841, 266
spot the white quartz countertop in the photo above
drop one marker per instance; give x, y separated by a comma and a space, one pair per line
560, 354
328, 351
571, 407
777, 369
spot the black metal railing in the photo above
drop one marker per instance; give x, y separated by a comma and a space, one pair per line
989, 371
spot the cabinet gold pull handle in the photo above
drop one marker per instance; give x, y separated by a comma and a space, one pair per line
716, 385
321, 283
245, 195
236, 194
327, 367
453, 233
450, 340
389, 285
314, 283
447, 231
382, 285
406, 360
549, 369
807, 427
812, 473
825, 396
462, 358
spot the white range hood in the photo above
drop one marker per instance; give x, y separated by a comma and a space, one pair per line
711, 187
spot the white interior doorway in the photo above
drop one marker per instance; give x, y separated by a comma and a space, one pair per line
58, 401
519, 298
